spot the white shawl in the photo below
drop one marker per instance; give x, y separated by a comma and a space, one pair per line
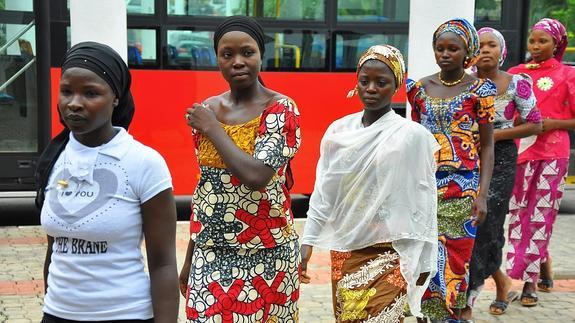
377, 184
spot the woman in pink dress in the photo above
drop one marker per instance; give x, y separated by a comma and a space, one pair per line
543, 160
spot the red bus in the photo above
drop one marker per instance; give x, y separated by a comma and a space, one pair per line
312, 47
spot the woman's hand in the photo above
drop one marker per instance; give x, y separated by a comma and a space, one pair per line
479, 210
185, 272
305, 251
421, 279
183, 278
202, 118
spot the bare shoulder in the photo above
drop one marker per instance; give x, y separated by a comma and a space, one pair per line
216, 100
429, 80
276, 96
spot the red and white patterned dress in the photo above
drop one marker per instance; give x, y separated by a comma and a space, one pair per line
246, 258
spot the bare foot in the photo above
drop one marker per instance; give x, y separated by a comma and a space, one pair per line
545, 271
545, 283
466, 313
503, 283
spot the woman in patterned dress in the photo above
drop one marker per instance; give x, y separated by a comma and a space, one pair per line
543, 160
378, 219
450, 104
515, 101
243, 256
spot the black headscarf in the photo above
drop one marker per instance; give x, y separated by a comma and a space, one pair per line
241, 23
107, 64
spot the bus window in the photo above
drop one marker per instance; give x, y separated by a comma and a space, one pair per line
350, 46
292, 9
18, 100
274, 9
289, 51
193, 49
142, 47
487, 11
136, 7
220, 8
140, 7
20, 5
372, 11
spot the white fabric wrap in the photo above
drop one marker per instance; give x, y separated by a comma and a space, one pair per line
377, 184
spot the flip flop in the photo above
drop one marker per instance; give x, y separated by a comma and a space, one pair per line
529, 299
545, 285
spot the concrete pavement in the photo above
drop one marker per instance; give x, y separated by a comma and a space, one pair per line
22, 251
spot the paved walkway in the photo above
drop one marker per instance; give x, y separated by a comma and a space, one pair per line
22, 251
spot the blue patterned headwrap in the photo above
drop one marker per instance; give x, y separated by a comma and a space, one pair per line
464, 29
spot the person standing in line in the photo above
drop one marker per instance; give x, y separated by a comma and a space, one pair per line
450, 104
515, 102
243, 256
379, 220
542, 162
102, 193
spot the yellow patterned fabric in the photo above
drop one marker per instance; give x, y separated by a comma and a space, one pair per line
367, 285
244, 135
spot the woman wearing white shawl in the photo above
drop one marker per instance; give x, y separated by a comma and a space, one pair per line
374, 203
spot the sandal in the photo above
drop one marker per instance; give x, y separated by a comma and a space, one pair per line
545, 285
512, 296
529, 299
498, 307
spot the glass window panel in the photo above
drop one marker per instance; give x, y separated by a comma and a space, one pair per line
192, 49
68, 38
17, 5
292, 9
487, 10
141, 47
141, 7
350, 46
271, 9
302, 50
220, 8
18, 101
372, 10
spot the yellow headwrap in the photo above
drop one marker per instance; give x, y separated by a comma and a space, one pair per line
390, 56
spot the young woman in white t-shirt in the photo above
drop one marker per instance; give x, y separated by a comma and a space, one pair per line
102, 193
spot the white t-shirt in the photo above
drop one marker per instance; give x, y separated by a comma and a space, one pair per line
93, 211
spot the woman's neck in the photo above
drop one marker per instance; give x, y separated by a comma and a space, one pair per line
452, 75
491, 73
245, 94
96, 139
371, 116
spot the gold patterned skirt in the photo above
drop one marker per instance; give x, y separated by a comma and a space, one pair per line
367, 285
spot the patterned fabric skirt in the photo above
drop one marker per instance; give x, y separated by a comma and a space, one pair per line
488, 249
533, 209
367, 285
447, 289
231, 285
